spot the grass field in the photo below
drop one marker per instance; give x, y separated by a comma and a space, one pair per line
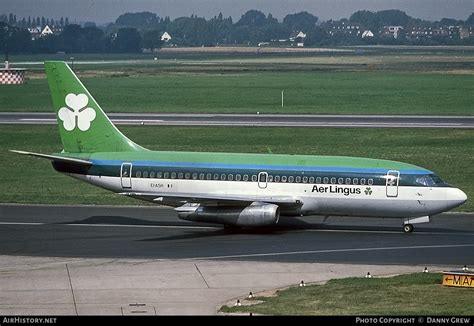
449, 153
369, 92
405, 295
438, 81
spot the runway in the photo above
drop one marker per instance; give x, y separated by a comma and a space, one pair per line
156, 233
259, 120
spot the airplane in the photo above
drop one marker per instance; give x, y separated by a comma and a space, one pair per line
235, 189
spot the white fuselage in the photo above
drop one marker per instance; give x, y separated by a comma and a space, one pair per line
316, 199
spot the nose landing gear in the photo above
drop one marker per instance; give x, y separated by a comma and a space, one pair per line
408, 228
408, 223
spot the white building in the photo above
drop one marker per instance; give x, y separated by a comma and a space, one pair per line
367, 33
299, 38
393, 31
166, 37
46, 31
35, 32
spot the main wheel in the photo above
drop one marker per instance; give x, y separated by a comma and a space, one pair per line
408, 228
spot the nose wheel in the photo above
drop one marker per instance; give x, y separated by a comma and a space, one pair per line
408, 228
408, 223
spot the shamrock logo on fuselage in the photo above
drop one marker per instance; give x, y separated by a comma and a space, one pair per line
76, 113
368, 191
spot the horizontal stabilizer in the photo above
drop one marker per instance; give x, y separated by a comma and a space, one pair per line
55, 158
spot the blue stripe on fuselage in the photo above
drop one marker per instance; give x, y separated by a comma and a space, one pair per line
258, 167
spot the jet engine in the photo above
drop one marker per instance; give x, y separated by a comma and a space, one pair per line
256, 214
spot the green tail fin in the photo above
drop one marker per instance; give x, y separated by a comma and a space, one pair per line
83, 126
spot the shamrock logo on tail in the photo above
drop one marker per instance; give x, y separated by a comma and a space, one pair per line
76, 113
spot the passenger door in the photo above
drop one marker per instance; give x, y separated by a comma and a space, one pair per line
126, 175
391, 183
262, 180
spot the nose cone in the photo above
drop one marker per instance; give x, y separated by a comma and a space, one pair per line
455, 197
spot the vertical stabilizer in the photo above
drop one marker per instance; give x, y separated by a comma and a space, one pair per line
83, 126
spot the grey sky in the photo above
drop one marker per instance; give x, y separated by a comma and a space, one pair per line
102, 11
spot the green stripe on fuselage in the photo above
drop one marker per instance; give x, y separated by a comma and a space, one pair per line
240, 158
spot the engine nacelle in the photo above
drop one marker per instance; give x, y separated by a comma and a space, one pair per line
257, 214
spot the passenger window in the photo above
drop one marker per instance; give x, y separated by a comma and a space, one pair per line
370, 182
152, 175
238, 177
139, 174
145, 174
362, 181
305, 179
208, 176
246, 177
187, 176
230, 177
333, 180
311, 180
340, 181
254, 178
166, 175
201, 176
270, 178
348, 181
283, 178
180, 175
277, 178
159, 175
298, 179
355, 181
318, 180
326, 180
291, 179
195, 176
216, 176
223, 177
173, 175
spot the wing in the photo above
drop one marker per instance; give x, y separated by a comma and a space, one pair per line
178, 199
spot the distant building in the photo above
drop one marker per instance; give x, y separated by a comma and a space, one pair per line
166, 37
298, 37
57, 30
421, 32
367, 33
465, 32
46, 31
35, 32
454, 32
342, 27
392, 31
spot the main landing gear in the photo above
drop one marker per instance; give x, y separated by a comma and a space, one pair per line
408, 223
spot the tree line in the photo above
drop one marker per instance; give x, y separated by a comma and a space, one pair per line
133, 32
32, 21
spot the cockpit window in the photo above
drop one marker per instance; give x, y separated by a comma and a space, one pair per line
425, 181
430, 180
439, 181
